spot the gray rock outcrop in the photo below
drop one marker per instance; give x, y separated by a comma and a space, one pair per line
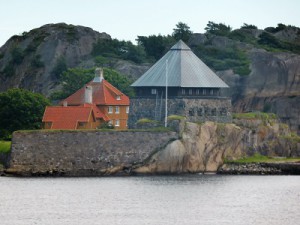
204, 147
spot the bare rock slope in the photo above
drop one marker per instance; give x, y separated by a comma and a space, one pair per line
29, 60
204, 147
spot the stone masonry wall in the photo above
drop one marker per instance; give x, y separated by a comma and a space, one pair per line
195, 110
82, 153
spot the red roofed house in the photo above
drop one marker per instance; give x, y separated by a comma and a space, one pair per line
97, 102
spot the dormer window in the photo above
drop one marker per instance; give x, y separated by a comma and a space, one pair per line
118, 97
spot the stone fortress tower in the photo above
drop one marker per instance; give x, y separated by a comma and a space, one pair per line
193, 90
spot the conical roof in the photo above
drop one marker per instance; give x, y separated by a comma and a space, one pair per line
185, 69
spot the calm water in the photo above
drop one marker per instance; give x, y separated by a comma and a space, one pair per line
184, 200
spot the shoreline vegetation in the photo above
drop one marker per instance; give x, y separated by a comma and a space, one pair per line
258, 158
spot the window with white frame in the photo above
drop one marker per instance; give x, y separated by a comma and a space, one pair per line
117, 110
153, 91
117, 123
110, 110
118, 97
110, 122
127, 109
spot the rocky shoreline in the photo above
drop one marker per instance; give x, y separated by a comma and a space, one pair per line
260, 168
226, 169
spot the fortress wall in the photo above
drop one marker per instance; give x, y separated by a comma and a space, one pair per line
82, 152
194, 109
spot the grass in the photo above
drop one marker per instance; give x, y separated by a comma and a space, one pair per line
254, 115
175, 117
5, 146
258, 158
146, 120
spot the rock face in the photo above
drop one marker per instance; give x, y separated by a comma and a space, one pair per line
35, 54
203, 148
272, 86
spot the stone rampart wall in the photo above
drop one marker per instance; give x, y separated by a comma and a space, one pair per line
82, 152
194, 109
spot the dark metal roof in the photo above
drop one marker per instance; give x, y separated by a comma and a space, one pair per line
185, 69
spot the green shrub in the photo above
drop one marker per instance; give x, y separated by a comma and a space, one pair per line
175, 117
5, 146
17, 55
100, 61
147, 121
59, 67
36, 62
106, 125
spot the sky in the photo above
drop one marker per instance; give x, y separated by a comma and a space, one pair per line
127, 19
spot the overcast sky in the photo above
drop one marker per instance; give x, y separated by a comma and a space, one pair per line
126, 19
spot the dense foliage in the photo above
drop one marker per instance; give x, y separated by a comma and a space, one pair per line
182, 32
224, 58
20, 109
59, 67
113, 48
73, 79
266, 40
217, 28
156, 46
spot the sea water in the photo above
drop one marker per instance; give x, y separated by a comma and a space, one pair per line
166, 200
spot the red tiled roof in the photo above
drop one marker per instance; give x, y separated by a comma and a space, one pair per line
98, 113
103, 94
66, 117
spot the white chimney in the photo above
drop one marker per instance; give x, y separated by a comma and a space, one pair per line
65, 103
98, 75
88, 95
